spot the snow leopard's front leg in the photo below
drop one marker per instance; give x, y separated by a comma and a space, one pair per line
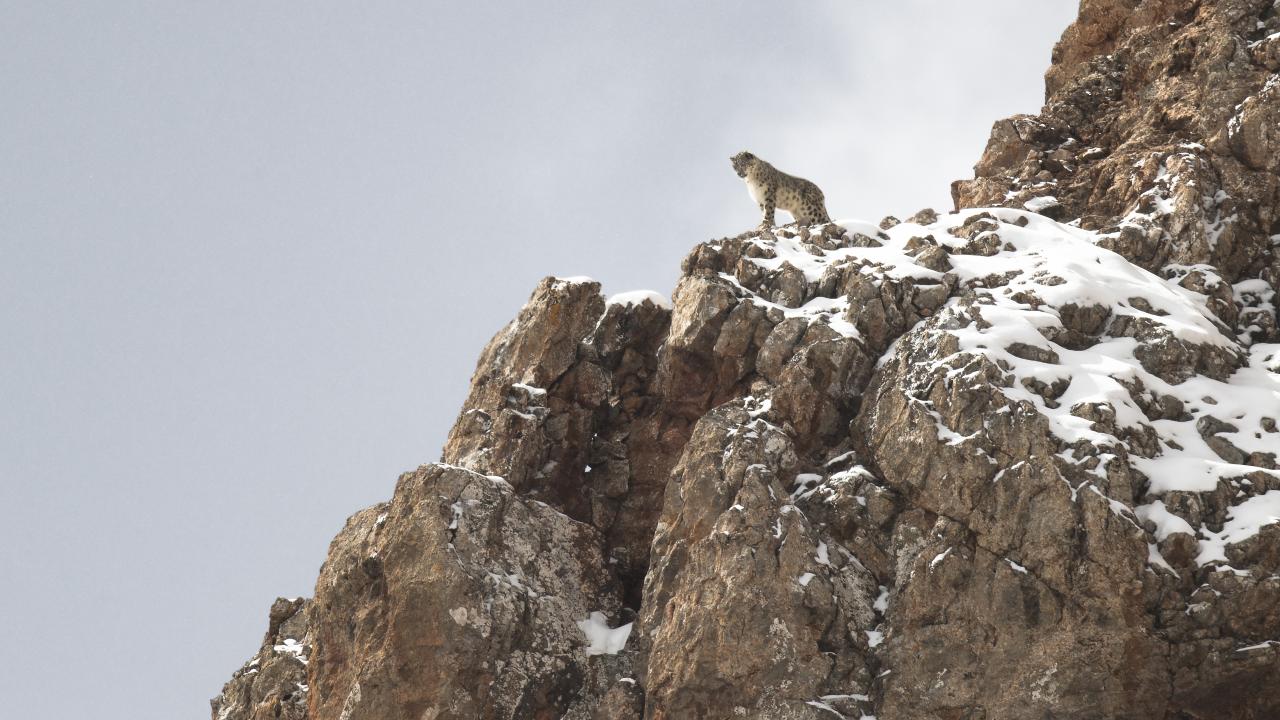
767, 206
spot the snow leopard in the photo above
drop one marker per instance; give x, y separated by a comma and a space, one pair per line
771, 188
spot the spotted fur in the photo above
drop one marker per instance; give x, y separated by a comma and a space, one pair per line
771, 188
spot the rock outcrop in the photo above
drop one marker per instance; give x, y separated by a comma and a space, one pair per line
1161, 131
1018, 460
273, 684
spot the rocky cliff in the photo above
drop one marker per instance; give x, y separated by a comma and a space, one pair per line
1013, 461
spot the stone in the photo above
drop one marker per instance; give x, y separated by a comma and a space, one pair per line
919, 472
273, 684
458, 599
927, 216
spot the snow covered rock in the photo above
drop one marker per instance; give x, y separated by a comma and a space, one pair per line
1017, 460
1159, 130
273, 684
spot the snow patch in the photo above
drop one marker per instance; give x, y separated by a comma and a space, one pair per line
1040, 204
292, 647
937, 559
638, 297
823, 558
881, 604
602, 639
1166, 522
1243, 522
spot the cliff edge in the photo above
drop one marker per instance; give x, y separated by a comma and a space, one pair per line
1017, 460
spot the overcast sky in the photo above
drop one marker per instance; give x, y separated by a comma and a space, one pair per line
250, 251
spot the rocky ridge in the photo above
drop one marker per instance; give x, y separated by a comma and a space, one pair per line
1014, 461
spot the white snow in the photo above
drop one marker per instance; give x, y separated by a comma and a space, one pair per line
1260, 646
1155, 558
1040, 204
602, 639
822, 557
1052, 266
1016, 567
877, 261
757, 408
536, 392
1243, 522
937, 559
881, 604
824, 706
637, 297
839, 458
829, 311
292, 647
809, 484
1060, 265
1166, 522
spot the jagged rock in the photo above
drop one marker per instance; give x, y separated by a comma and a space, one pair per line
934, 258
459, 599
1015, 461
273, 684
927, 216
563, 405
998, 512
532, 402
747, 611
1209, 426
1159, 128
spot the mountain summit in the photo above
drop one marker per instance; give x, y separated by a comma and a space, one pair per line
1018, 460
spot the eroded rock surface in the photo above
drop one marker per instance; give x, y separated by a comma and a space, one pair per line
458, 599
1159, 131
750, 608
1014, 461
273, 684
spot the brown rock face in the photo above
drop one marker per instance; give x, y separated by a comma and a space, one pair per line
1159, 131
1016, 461
273, 684
457, 599
1014, 578
745, 592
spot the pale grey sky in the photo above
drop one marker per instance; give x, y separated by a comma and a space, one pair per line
250, 251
